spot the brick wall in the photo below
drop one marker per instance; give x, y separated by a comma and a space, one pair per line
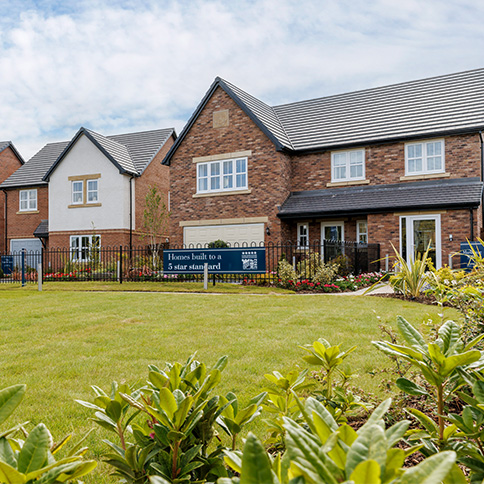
22, 225
155, 174
268, 171
109, 238
385, 163
8, 164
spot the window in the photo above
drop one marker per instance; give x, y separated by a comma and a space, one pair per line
85, 191
302, 236
424, 158
348, 165
362, 232
85, 248
221, 176
28, 200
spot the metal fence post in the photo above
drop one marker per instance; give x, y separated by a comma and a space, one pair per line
23, 268
39, 275
120, 264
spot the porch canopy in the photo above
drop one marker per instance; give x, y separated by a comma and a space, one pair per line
433, 194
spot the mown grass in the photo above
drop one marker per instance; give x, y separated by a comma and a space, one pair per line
60, 342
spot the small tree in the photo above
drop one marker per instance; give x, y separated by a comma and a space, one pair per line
155, 221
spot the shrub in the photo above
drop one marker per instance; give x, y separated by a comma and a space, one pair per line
285, 273
343, 265
308, 266
325, 273
218, 244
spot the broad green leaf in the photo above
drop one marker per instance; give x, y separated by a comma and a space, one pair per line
410, 334
436, 354
9, 475
10, 397
347, 434
159, 381
396, 432
432, 470
424, 419
410, 387
182, 412
256, 466
6, 453
478, 390
455, 476
168, 402
377, 415
462, 359
34, 452
233, 460
404, 352
395, 461
371, 444
366, 472
245, 414
114, 410
449, 333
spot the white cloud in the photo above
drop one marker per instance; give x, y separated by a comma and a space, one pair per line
125, 66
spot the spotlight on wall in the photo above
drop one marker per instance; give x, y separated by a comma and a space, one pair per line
268, 230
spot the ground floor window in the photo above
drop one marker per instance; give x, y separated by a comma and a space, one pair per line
85, 247
417, 232
332, 236
362, 232
302, 236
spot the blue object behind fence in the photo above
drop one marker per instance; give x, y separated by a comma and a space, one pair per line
7, 264
466, 253
249, 260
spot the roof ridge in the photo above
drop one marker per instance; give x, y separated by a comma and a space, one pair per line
382, 87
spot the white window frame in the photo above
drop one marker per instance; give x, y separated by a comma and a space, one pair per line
425, 157
30, 200
81, 201
85, 191
300, 242
219, 178
360, 233
347, 165
81, 252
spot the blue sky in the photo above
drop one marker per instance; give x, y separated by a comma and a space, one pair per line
120, 66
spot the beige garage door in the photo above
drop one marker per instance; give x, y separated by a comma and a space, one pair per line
232, 234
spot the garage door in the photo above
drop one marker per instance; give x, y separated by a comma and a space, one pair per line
33, 248
232, 234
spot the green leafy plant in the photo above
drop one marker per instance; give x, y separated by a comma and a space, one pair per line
323, 452
440, 362
217, 244
34, 459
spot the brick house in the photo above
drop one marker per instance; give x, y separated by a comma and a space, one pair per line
10, 161
93, 186
399, 164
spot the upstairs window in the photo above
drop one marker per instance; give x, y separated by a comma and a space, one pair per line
424, 158
221, 176
85, 190
348, 165
28, 200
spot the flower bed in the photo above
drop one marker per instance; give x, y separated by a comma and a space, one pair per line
341, 284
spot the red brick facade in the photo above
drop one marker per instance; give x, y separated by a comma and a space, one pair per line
273, 175
269, 172
21, 225
9, 163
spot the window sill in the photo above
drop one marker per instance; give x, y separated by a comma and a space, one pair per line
348, 183
221, 194
424, 176
84, 205
27, 212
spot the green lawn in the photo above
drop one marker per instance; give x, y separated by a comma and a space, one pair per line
60, 342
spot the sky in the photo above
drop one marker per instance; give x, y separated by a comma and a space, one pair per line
124, 65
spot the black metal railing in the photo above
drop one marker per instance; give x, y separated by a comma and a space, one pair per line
120, 263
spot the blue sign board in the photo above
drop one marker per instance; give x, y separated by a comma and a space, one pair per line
466, 254
246, 260
7, 264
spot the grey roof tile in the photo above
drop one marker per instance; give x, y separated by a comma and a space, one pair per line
143, 146
42, 229
32, 172
411, 109
455, 193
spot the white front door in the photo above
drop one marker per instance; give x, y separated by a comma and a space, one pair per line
416, 233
